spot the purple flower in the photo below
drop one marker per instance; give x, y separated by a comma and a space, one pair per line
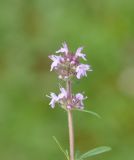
77, 101
63, 93
82, 69
63, 49
79, 54
79, 96
54, 99
80, 99
56, 61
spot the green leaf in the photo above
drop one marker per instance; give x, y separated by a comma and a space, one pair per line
95, 152
90, 112
61, 148
77, 155
67, 154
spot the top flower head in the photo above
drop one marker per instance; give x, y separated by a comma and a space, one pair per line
67, 64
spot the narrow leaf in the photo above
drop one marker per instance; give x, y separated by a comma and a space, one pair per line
95, 151
67, 154
77, 155
90, 112
61, 148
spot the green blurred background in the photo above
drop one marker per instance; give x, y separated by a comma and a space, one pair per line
30, 30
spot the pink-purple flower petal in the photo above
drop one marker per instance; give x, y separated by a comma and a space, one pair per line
63, 49
56, 61
81, 70
63, 93
54, 99
79, 54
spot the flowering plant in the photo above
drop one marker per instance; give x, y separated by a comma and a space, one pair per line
67, 65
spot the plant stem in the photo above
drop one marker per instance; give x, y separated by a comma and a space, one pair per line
70, 123
71, 134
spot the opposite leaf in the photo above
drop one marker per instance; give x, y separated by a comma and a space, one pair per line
90, 112
94, 152
61, 149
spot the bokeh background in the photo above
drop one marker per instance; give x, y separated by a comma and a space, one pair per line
30, 30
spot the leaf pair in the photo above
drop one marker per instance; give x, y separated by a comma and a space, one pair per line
93, 152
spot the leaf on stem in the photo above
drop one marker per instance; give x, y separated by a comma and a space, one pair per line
90, 112
95, 152
61, 148
77, 155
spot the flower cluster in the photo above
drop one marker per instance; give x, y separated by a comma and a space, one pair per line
68, 64
76, 101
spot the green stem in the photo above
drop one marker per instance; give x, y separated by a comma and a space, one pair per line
71, 134
70, 123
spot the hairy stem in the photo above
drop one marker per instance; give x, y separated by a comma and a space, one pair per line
70, 123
